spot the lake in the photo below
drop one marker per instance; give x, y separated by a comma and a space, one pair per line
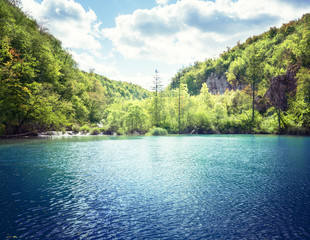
174, 187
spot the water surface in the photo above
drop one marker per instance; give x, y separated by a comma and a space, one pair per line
187, 187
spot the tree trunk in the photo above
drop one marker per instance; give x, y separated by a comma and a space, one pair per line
279, 118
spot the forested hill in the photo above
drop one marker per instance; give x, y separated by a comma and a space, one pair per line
121, 90
278, 49
41, 86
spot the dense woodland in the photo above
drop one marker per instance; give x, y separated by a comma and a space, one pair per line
42, 88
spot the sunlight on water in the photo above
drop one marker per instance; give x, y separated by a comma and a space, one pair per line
188, 187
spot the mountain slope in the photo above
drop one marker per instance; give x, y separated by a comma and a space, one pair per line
41, 86
279, 48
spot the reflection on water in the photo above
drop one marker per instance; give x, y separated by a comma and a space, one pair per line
188, 187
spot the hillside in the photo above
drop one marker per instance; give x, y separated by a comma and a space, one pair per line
278, 49
41, 86
259, 86
264, 86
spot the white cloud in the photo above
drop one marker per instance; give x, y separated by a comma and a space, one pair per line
192, 30
68, 21
173, 35
145, 81
92, 60
163, 2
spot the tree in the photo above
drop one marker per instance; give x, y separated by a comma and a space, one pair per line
281, 89
253, 72
300, 106
182, 101
136, 119
14, 93
16, 3
205, 96
115, 120
156, 101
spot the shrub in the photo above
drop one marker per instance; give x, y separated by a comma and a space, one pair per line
75, 128
157, 131
95, 131
85, 128
63, 130
269, 124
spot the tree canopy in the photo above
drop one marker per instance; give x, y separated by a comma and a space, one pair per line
42, 88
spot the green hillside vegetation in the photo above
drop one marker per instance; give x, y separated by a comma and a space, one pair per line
273, 71
41, 87
277, 49
116, 90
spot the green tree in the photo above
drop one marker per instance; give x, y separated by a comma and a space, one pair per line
136, 119
156, 100
300, 106
254, 72
182, 103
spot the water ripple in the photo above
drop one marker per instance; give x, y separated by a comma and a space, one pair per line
227, 187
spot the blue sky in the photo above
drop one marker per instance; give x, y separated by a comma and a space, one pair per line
128, 39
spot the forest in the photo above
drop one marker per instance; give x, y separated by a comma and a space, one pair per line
42, 88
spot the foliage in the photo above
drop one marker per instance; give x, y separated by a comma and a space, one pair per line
63, 130
95, 131
40, 85
277, 49
157, 131
266, 67
75, 128
85, 128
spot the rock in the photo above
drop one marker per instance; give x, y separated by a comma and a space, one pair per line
261, 104
281, 88
218, 84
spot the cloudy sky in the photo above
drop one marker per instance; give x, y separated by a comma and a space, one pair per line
128, 39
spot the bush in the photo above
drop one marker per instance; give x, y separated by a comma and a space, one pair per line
85, 129
63, 130
157, 131
75, 128
269, 124
95, 131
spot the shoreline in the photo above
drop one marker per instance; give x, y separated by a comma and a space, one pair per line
56, 134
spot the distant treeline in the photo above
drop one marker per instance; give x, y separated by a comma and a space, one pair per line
41, 87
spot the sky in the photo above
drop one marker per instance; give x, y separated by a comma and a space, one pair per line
128, 40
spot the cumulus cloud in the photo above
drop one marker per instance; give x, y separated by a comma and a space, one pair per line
298, 3
173, 35
68, 21
192, 30
92, 60
145, 81
162, 1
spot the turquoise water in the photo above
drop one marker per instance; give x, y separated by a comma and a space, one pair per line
187, 187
